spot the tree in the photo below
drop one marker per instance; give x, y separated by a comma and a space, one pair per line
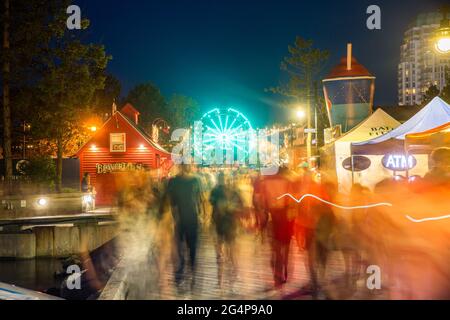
7, 153
432, 92
36, 30
303, 66
104, 98
182, 111
40, 171
74, 71
147, 98
445, 93
25, 37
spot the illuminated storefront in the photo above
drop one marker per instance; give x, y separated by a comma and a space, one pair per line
119, 147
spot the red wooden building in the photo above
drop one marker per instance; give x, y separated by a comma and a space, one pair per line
118, 147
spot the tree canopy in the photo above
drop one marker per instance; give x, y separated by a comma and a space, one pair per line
72, 72
178, 111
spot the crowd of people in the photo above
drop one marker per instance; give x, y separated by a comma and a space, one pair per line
302, 209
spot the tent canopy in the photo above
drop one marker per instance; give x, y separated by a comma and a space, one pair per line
377, 124
428, 140
338, 153
418, 135
434, 114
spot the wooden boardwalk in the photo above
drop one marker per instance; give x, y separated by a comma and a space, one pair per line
152, 277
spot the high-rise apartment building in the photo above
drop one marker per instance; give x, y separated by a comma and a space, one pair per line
420, 65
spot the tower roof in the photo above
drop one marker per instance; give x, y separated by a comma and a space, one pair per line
341, 71
129, 109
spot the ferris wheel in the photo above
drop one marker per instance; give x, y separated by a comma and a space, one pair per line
225, 130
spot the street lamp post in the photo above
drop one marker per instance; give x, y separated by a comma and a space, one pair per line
442, 38
309, 131
308, 121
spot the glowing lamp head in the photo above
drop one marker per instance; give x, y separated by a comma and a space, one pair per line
42, 202
300, 114
93, 147
141, 147
442, 45
442, 35
93, 128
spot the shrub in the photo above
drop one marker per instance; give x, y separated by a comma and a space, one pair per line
41, 171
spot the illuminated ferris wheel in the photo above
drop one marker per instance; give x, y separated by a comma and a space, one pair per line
224, 131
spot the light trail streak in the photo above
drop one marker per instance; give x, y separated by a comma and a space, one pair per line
361, 207
334, 204
427, 219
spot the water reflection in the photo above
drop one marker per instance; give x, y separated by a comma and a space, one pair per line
33, 274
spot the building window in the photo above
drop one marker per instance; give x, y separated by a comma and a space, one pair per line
117, 142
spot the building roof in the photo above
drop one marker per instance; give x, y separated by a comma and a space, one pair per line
136, 127
426, 19
144, 134
129, 109
340, 70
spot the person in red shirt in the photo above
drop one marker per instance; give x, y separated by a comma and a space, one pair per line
315, 223
282, 220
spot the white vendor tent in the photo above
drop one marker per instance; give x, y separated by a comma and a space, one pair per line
387, 152
337, 155
434, 114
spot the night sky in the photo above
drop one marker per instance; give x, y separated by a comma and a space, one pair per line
226, 52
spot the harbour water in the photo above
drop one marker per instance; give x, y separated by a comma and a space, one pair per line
33, 274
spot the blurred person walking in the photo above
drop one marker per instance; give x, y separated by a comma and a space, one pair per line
261, 215
227, 204
282, 220
184, 193
439, 175
315, 225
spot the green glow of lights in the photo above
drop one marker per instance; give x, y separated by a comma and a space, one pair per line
226, 130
